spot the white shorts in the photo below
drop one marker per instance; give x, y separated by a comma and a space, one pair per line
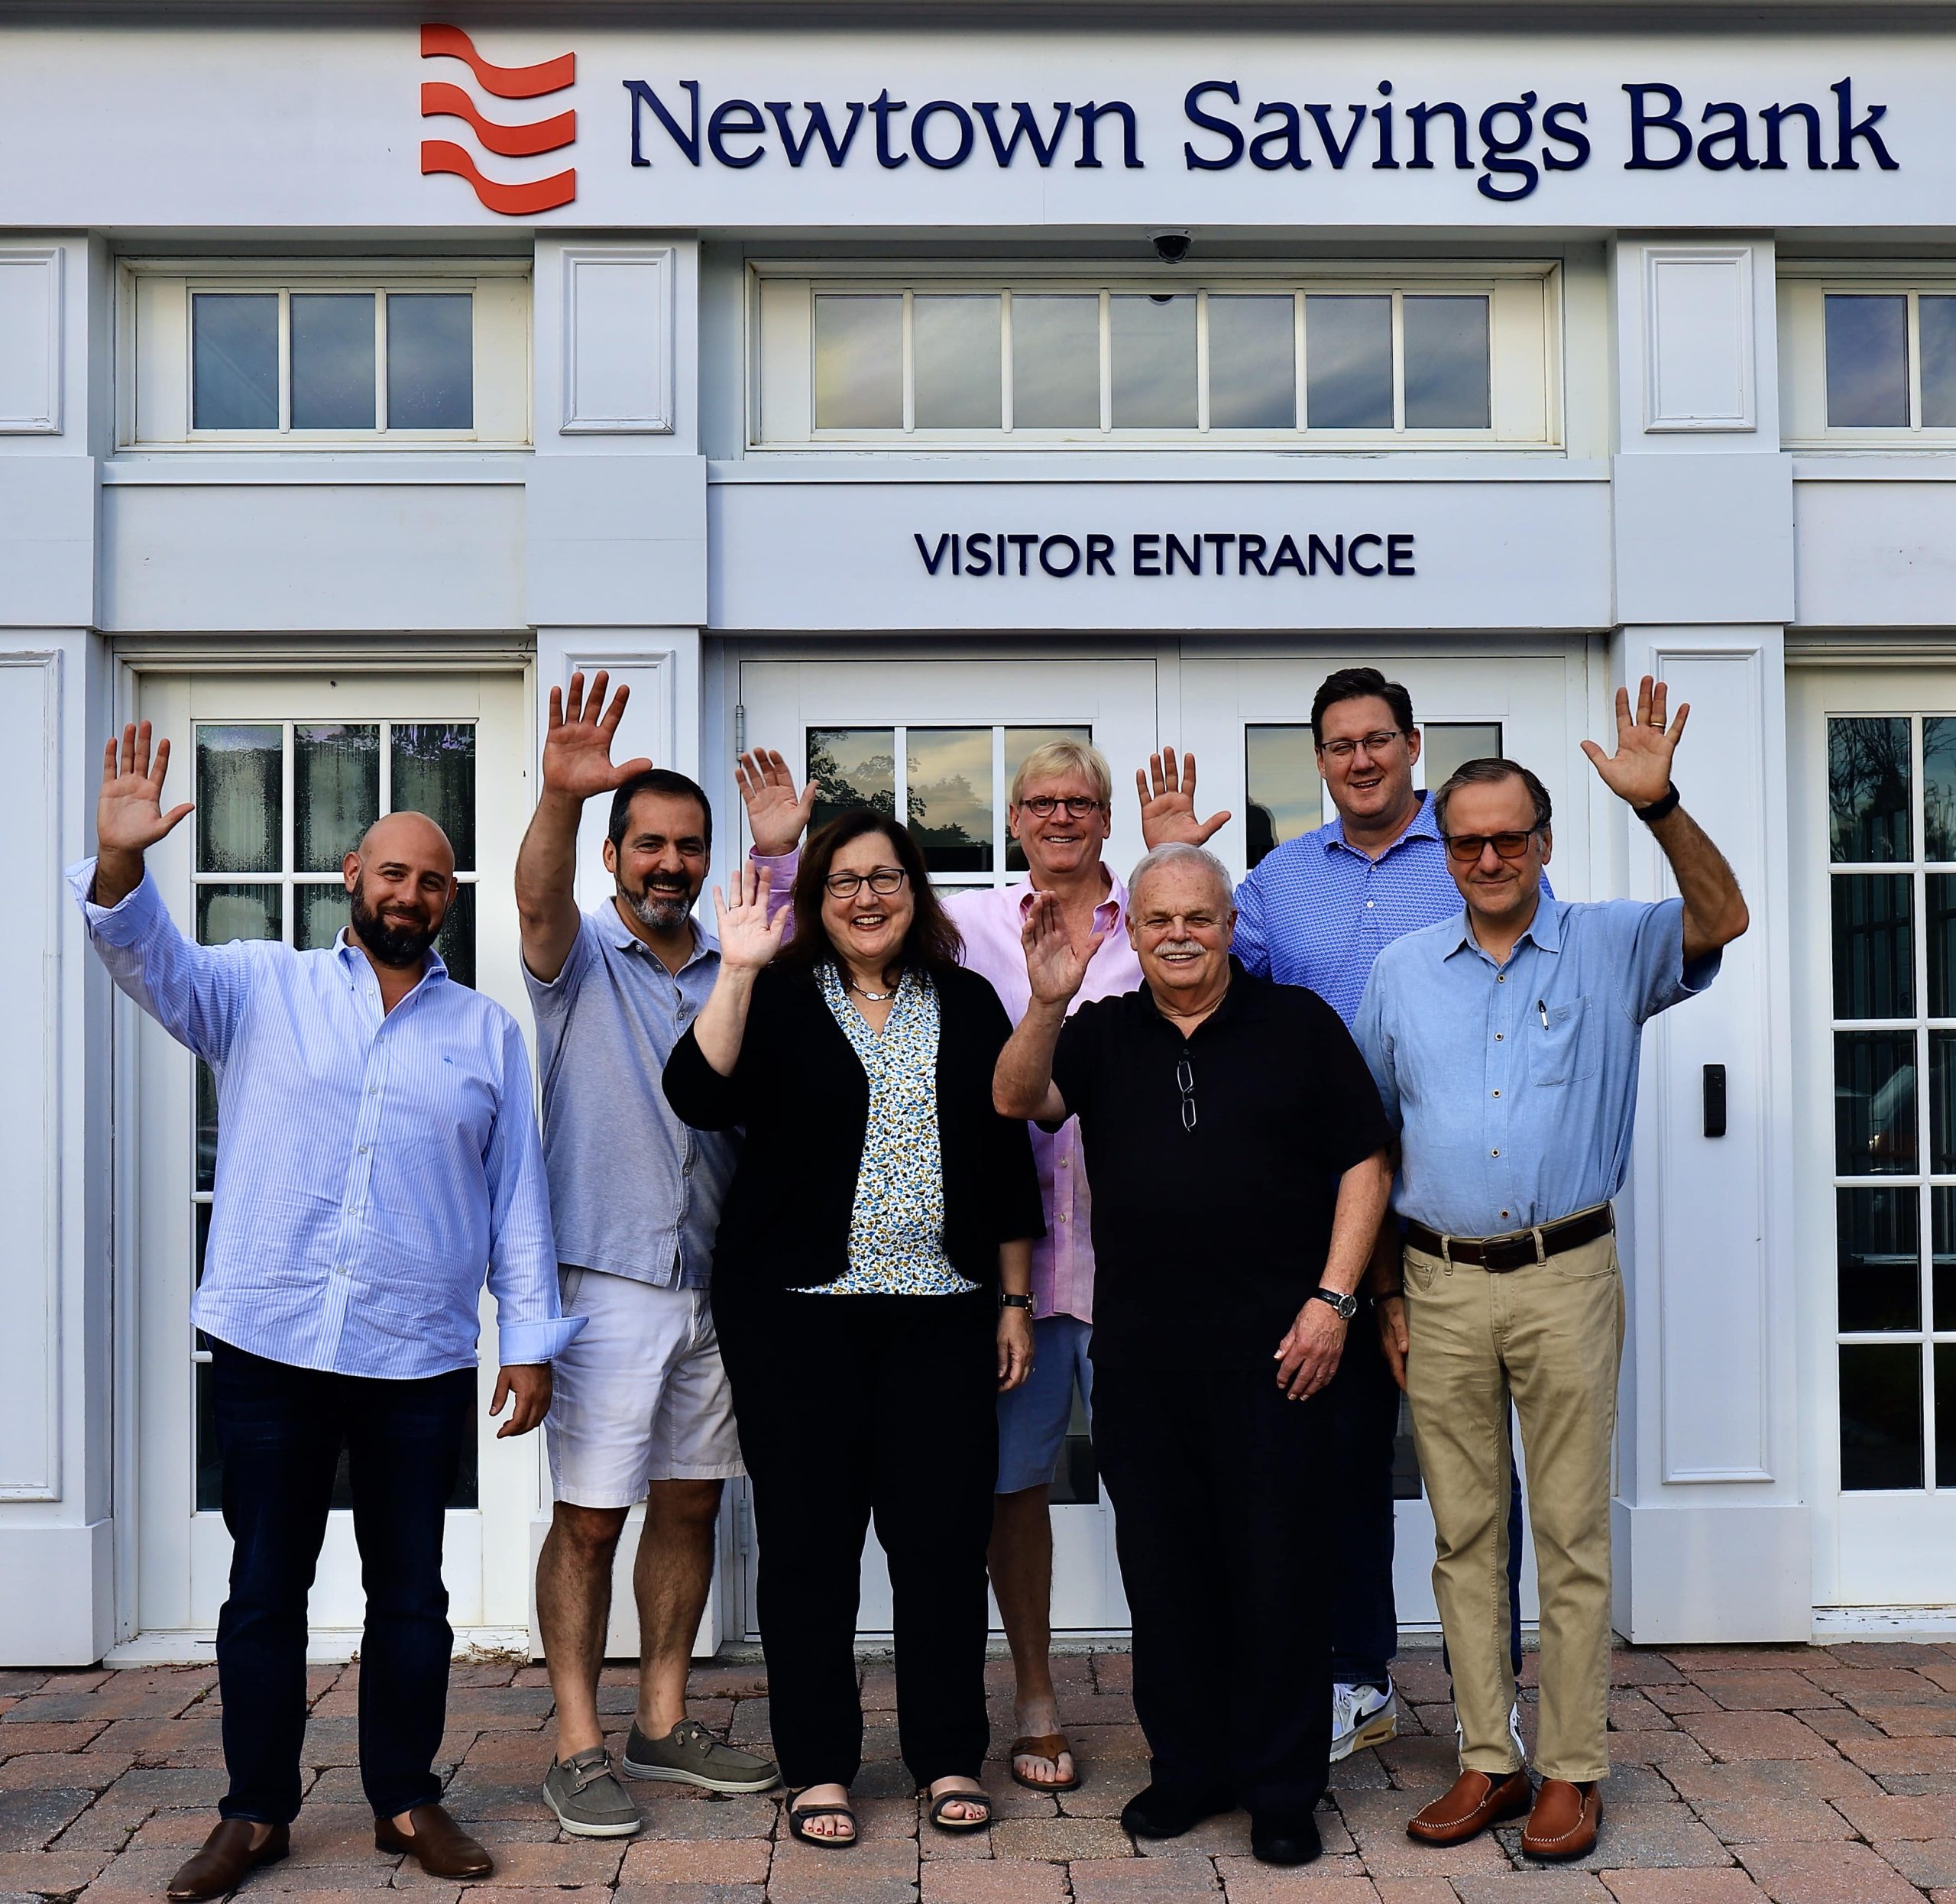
640, 1394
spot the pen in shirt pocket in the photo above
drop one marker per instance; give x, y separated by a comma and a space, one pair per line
1541, 1005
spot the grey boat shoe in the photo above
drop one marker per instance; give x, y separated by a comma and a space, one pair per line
689, 1754
589, 1802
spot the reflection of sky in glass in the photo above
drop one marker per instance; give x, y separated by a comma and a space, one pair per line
857, 767
431, 360
1868, 789
1445, 745
1252, 363
859, 362
234, 360
1446, 363
1348, 362
1285, 792
1935, 318
1055, 363
955, 346
950, 776
1868, 362
332, 361
1152, 347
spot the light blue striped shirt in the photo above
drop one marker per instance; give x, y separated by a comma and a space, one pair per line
370, 1164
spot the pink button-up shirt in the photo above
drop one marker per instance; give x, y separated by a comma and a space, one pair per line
991, 921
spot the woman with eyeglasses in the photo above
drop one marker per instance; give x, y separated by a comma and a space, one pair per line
870, 1289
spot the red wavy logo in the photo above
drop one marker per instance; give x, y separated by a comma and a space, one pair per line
439, 99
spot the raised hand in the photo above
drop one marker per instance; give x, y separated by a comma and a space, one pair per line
577, 749
748, 939
128, 811
1639, 770
1055, 964
1167, 808
777, 816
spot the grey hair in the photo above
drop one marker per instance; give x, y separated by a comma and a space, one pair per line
1179, 852
1490, 772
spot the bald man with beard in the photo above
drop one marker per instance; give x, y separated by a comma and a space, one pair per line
377, 1151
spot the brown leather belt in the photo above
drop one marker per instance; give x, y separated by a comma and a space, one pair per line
1519, 1249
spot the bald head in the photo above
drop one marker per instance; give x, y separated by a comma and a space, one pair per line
413, 835
401, 880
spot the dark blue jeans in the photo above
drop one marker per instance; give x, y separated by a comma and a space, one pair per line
1362, 1419
281, 1430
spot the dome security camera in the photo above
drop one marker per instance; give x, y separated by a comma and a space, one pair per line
1171, 246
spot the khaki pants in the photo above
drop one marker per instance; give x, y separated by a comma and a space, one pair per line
1550, 1336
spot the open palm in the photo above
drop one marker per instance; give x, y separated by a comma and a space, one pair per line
1639, 770
128, 811
577, 749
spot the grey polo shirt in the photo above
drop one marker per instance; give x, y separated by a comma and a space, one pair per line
633, 1191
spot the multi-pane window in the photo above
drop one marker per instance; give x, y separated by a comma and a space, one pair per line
1867, 358
315, 357
280, 804
1892, 849
1049, 362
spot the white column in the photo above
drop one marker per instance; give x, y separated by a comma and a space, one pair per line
1711, 1537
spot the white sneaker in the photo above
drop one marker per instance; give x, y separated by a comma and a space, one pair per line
1362, 1715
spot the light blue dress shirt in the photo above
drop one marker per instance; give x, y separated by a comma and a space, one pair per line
1513, 1088
370, 1165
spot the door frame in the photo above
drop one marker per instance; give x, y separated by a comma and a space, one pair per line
131, 659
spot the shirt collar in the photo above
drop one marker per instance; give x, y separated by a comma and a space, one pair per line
1543, 930
1109, 912
611, 923
1422, 826
352, 955
1244, 999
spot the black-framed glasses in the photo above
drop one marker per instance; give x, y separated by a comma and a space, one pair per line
1046, 805
1185, 1084
1372, 743
884, 880
1464, 849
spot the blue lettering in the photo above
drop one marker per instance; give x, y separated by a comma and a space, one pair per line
818, 128
1025, 127
739, 117
964, 134
1090, 116
1643, 120
687, 142
1843, 91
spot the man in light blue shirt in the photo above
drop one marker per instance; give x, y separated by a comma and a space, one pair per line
1504, 1043
378, 1150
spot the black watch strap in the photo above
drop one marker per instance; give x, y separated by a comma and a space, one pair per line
1008, 1300
1658, 809
1347, 1306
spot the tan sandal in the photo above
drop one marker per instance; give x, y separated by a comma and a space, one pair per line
1044, 1745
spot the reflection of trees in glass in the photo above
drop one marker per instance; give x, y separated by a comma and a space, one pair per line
1939, 789
948, 845
1867, 781
839, 790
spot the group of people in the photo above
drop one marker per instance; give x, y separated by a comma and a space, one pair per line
811, 1203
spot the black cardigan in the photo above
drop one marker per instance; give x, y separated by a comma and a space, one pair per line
803, 1096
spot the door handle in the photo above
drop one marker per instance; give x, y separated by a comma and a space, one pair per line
1714, 1100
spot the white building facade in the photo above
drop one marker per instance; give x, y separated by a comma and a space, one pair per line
829, 386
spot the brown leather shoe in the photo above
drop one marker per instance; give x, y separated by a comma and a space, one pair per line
439, 1845
1564, 1822
1476, 1801
226, 1858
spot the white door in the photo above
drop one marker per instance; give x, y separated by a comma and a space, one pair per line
940, 740
287, 769
1246, 716
1873, 846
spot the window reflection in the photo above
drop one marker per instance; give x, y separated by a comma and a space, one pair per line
1151, 342
1252, 363
234, 360
1868, 790
955, 349
1285, 791
1348, 362
1446, 362
859, 362
948, 774
1874, 946
1880, 1268
1874, 1103
1867, 362
1447, 746
431, 360
332, 361
857, 767
1055, 363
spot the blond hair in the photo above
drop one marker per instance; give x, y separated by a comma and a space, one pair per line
1057, 757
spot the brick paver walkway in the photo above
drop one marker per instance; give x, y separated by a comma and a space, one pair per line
1807, 1775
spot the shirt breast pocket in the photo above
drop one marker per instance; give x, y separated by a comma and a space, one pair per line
1565, 1052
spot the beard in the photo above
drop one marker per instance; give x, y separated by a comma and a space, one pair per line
660, 907
392, 944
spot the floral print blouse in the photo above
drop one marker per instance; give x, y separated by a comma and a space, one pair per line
896, 1244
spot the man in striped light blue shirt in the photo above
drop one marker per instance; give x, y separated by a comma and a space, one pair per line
377, 1149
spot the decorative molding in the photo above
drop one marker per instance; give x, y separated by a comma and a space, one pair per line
618, 367
1694, 382
34, 408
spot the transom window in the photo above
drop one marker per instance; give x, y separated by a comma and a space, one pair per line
1034, 361
1869, 360
311, 357
1892, 849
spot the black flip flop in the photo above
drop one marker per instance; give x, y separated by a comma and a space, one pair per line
956, 1825
822, 1841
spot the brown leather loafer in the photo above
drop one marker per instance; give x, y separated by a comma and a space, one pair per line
1564, 1822
1476, 1801
226, 1857
439, 1845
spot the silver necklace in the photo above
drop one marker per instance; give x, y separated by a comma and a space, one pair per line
863, 991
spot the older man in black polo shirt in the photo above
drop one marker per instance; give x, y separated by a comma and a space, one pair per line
1237, 1151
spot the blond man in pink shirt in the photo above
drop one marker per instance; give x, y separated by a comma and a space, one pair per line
1060, 813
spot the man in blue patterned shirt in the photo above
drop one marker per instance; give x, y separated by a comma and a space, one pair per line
1317, 912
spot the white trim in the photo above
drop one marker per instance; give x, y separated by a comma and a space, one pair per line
47, 420
1660, 264
613, 420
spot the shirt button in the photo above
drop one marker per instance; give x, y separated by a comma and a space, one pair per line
1499, 1036
1064, 1217
373, 1090
1500, 978
1504, 1213
1494, 1153
1497, 1094
1369, 905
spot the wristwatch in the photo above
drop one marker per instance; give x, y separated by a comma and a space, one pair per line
1660, 809
1008, 1300
1347, 1306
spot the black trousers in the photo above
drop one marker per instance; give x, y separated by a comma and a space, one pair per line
281, 1430
1219, 1487
856, 1408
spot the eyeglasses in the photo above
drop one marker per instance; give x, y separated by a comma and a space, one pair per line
885, 880
1185, 1082
1046, 805
1465, 848
1372, 743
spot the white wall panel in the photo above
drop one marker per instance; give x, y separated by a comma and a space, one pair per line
1698, 344
616, 539
617, 341
31, 341
1875, 547
47, 522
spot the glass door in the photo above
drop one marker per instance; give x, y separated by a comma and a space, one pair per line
287, 773
938, 741
1875, 859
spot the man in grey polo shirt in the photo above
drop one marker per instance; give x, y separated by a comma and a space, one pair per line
642, 1411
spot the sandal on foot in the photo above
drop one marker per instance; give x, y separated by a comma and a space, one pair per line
943, 1824
822, 1841
1044, 1745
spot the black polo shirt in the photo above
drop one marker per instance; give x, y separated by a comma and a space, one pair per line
1207, 1242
